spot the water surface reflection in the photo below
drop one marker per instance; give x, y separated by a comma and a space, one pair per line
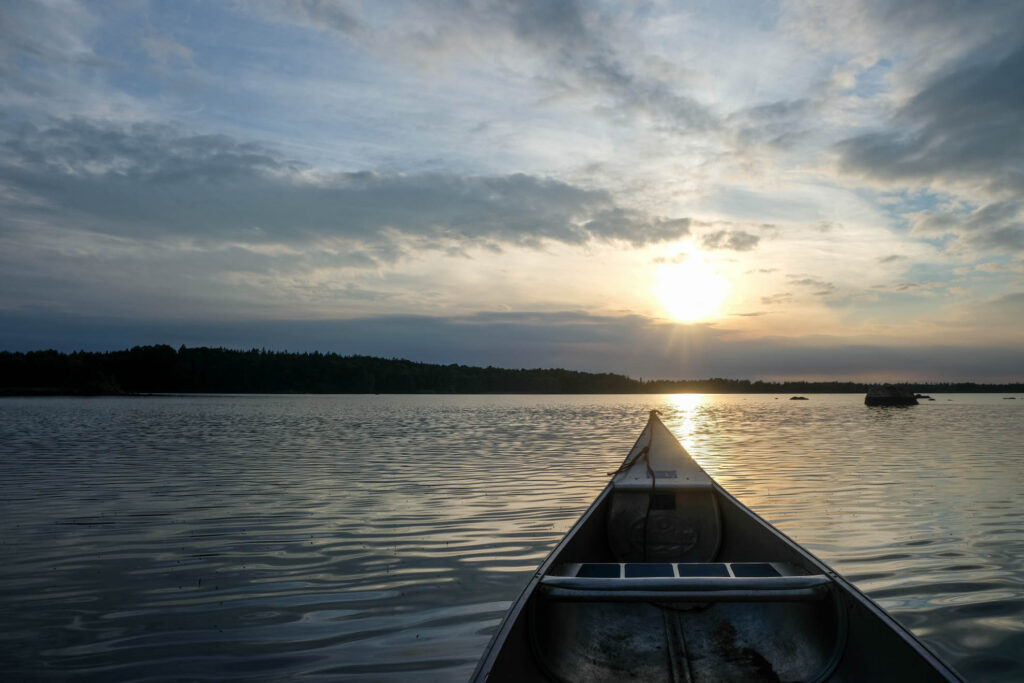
382, 537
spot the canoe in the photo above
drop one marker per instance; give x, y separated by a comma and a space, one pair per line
667, 577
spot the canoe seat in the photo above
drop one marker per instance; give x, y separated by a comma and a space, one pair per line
684, 582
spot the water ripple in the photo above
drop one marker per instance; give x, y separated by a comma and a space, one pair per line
382, 538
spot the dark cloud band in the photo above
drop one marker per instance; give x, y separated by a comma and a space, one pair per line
154, 181
965, 126
627, 344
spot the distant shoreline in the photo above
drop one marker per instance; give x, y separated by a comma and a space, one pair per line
164, 370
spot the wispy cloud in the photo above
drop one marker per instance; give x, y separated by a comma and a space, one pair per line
737, 240
998, 226
822, 288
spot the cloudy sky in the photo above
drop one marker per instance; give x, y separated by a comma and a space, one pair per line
662, 189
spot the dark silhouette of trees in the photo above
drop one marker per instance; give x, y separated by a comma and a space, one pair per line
162, 369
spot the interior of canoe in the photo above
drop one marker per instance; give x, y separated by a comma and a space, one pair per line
681, 586
714, 594
667, 577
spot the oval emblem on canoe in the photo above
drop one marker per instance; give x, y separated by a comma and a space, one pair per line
668, 535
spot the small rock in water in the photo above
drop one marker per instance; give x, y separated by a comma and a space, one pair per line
890, 395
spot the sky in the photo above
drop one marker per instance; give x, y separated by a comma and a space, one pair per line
764, 190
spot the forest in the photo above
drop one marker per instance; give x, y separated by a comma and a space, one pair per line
164, 369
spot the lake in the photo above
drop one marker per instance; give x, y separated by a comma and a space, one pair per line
381, 538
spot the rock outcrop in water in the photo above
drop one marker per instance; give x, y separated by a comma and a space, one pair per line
890, 395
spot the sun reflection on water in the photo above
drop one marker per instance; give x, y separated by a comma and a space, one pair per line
681, 417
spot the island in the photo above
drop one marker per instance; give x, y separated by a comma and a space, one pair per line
165, 369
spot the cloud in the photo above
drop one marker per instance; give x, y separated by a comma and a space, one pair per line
681, 257
323, 14
911, 287
998, 226
781, 124
1012, 304
583, 46
782, 298
1002, 312
824, 288
575, 49
965, 126
362, 153
60, 43
737, 240
155, 181
991, 267
166, 53
50, 62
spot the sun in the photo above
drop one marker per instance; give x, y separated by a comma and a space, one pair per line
690, 291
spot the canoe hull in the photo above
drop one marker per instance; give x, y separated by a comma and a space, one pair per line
566, 628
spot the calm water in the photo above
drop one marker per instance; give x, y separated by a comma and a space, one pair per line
382, 538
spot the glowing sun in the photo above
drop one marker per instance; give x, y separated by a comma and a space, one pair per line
690, 291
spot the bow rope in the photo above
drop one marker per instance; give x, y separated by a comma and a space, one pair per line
645, 454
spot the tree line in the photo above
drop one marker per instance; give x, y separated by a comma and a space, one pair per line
163, 369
